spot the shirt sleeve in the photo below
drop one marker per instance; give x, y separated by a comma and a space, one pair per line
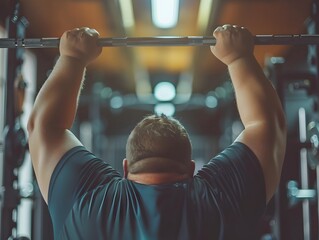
77, 173
236, 179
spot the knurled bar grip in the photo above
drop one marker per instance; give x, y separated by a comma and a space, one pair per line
300, 39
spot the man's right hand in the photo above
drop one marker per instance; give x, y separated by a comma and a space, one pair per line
56, 104
80, 44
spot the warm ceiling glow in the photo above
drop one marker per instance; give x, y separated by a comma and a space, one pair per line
165, 13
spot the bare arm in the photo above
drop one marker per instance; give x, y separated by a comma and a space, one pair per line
56, 104
258, 104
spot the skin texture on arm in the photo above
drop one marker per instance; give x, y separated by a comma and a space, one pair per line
56, 104
258, 104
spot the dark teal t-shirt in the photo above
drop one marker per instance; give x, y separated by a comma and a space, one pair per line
88, 199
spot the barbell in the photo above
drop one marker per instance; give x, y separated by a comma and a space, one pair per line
293, 39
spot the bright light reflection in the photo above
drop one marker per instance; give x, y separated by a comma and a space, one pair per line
165, 108
165, 13
164, 91
211, 101
116, 102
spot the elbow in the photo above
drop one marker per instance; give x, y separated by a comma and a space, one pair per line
282, 129
36, 121
30, 124
282, 122
280, 148
278, 128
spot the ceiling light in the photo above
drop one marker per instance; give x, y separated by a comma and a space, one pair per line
164, 91
165, 108
204, 12
165, 13
127, 13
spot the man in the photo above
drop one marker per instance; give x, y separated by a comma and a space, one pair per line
159, 198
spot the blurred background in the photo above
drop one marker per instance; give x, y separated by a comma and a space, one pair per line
189, 83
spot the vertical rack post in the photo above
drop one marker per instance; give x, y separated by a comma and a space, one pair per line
14, 148
313, 59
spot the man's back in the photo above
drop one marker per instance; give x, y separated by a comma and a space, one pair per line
223, 201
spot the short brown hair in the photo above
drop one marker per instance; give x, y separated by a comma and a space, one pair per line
158, 144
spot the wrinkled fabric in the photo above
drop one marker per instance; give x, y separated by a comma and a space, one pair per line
88, 199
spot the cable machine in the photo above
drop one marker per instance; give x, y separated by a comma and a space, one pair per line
15, 143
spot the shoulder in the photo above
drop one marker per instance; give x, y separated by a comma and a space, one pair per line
235, 172
80, 169
236, 155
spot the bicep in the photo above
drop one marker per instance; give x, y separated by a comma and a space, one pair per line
269, 147
46, 149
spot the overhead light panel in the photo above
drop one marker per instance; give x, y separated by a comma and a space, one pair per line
165, 13
205, 8
127, 13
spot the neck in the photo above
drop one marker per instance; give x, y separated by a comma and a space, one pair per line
156, 178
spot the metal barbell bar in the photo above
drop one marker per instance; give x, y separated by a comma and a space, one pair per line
293, 39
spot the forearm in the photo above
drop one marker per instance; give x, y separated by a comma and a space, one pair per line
56, 104
257, 100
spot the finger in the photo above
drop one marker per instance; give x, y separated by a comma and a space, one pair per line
93, 32
227, 26
74, 31
236, 28
245, 30
217, 30
83, 32
89, 32
71, 33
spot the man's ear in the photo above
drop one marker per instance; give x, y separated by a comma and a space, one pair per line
191, 169
125, 167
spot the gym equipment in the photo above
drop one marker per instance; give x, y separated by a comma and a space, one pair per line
161, 41
313, 138
296, 195
14, 138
